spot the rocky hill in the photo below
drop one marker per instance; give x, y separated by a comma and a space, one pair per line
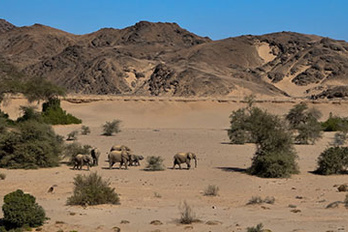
162, 59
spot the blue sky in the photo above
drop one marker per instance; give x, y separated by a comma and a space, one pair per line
217, 19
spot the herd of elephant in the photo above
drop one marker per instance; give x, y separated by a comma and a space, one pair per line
124, 155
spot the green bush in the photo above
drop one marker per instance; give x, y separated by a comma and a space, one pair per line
30, 145
29, 113
21, 209
111, 127
335, 123
305, 121
154, 163
334, 160
275, 156
53, 114
2, 176
239, 132
92, 190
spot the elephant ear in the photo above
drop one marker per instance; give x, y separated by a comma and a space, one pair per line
189, 155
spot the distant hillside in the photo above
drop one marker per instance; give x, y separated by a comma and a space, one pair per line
162, 59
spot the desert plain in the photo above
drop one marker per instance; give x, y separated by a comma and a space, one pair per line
163, 127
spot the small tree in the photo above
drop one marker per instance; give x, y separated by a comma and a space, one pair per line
111, 127
92, 190
305, 121
275, 155
21, 209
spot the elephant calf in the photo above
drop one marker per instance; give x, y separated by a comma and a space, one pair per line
121, 157
134, 160
184, 157
80, 160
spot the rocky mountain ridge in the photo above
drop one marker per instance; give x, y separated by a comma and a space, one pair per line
162, 59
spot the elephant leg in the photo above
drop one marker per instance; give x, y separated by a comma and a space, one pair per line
188, 164
179, 165
110, 164
126, 164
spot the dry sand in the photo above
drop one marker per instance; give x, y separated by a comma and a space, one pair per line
163, 127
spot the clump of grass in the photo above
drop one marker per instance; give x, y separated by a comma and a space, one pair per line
187, 216
257, 228
211, 190
2, 176
92, 190
258, 200
154, 163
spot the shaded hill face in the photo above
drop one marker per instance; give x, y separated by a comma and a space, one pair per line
162, 59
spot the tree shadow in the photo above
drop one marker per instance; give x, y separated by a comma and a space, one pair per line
233, 169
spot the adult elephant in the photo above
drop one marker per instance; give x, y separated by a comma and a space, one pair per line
122, 157
184, 157
80, 160
95, 153
120, 148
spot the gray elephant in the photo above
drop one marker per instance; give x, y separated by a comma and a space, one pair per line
122, 157
120, 148
184, 157
95, 153
134, 160
80, 160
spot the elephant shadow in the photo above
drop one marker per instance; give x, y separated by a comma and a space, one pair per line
233, 169
112, 168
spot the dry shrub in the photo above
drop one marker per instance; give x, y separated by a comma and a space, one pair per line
154, 163
187, 214
211, 190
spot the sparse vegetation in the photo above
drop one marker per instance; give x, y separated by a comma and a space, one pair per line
92, 190
111, 127
211, 190
257, 228
187, 216
85, 130
2, 176
334, 160
154, 163
20, 209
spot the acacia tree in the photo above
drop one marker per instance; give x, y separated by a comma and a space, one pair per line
305, 122
275, 156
